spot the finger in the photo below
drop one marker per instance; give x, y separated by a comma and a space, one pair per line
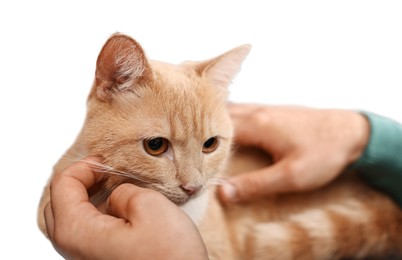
236, 109
256, 184
49, 220
125, 199
247, 123
69, 188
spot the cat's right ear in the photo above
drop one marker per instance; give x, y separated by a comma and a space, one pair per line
221, 70
121, 65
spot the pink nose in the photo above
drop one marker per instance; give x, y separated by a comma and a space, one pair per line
190, 189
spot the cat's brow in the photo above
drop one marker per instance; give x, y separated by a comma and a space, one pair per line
126, 141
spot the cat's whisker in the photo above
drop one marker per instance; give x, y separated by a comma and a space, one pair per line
217, 181
108, 171
100, 196
103, 168
73, 156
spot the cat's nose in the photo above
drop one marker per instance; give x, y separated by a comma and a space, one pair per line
190, 189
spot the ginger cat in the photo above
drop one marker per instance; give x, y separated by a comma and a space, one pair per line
166, 127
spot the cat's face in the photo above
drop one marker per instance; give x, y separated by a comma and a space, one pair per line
165, 125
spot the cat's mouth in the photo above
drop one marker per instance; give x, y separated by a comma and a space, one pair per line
176, 194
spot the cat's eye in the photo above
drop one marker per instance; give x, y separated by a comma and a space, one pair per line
210, 145
156, 146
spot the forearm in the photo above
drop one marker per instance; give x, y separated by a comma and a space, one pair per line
381, 163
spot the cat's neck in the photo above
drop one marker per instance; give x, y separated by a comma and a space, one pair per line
197, 207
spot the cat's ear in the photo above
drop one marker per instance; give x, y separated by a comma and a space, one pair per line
121, 65
222, 69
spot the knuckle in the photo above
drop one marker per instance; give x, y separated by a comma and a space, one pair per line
293, 176
54, 181
258, 115
261, 115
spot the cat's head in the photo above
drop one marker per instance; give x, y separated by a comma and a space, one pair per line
166, 125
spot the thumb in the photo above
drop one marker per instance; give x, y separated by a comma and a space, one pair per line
121, 202
127, 201
255, 184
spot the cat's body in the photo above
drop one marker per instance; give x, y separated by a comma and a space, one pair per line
344, 219
166, 127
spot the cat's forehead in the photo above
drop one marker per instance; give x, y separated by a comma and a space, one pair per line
181, 87
179, 103
179, 77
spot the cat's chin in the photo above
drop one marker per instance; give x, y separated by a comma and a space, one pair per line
196, 207
177, 197
179, 201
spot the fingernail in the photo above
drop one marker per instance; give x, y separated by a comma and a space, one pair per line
229, 191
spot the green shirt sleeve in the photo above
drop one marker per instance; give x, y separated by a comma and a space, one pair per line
381, 162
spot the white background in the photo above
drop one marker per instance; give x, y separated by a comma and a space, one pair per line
343, 54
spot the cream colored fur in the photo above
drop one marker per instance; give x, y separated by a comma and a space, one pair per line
134, 99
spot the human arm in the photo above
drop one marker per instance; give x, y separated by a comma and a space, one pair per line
381, 162
139, 224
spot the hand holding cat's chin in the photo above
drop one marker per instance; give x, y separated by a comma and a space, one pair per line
136, 216
309, 147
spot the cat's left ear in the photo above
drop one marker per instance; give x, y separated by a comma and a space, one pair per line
222, 69
121, 66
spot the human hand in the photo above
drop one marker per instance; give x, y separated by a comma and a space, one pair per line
139, 224
309, 147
